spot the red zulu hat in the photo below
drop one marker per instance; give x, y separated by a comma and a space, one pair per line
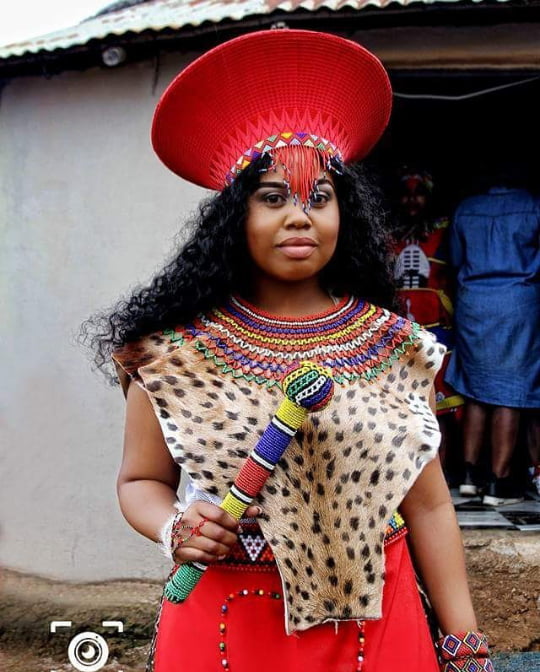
267, 90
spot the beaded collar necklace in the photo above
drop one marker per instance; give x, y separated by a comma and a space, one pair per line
354, 338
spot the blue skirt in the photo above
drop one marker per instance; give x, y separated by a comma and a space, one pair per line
496, 359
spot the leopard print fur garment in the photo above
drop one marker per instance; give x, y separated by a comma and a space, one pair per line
328, 502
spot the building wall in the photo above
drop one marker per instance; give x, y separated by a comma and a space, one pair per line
86, 212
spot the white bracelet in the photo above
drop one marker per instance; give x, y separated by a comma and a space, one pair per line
165, 534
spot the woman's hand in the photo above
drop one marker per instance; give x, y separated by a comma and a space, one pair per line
216, 532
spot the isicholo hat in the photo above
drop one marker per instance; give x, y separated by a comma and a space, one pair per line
269, 90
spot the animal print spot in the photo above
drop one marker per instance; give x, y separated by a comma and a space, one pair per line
329, 605
330, 468
154, 386
333, 580
374, 478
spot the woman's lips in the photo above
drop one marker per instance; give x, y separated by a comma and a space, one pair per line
297, 248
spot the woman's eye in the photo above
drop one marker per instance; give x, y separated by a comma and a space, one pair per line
274, 199
320, 198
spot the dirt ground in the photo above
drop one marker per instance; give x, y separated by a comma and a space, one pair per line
503, 573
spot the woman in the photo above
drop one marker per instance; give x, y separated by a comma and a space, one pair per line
318, 575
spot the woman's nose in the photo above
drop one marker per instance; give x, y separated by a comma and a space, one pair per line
296, 217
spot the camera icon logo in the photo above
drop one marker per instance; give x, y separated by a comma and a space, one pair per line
87, 651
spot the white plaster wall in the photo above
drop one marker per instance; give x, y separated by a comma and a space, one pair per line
86, 211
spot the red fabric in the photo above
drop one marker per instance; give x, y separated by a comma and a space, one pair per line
189, 633
266, 83
424, 306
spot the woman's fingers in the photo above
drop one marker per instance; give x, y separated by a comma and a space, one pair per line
215, 532
253, 512
217, 515
211, 532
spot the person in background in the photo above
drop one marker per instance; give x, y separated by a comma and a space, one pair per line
425, 282
494, 247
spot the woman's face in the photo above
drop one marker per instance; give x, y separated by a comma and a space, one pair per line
284, 242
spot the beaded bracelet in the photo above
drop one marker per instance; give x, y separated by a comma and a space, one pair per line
165, 534
464, 651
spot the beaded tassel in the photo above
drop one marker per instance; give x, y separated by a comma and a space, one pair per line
232, 597
361, 643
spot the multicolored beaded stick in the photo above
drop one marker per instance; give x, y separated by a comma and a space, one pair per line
307, 387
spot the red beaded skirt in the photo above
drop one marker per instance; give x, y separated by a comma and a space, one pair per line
235, 621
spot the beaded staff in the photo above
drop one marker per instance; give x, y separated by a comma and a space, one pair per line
307, 387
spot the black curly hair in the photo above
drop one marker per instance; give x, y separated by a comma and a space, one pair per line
212, 264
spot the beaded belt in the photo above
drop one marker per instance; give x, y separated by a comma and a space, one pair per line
252, 549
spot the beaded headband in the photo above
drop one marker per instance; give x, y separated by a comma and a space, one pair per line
410, 180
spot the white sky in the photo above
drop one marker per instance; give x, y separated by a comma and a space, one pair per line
21, 19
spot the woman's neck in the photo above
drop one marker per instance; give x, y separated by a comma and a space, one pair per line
289, 298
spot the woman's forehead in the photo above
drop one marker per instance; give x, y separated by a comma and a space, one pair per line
280, 174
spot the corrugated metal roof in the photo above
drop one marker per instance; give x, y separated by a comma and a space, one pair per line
177, 14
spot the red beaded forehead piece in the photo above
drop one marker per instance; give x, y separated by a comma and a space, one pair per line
266, 92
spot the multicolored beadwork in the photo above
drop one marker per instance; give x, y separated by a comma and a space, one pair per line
277, 141
395, 529
464, 652
354, 340
361, 644
306, 386
224, 611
